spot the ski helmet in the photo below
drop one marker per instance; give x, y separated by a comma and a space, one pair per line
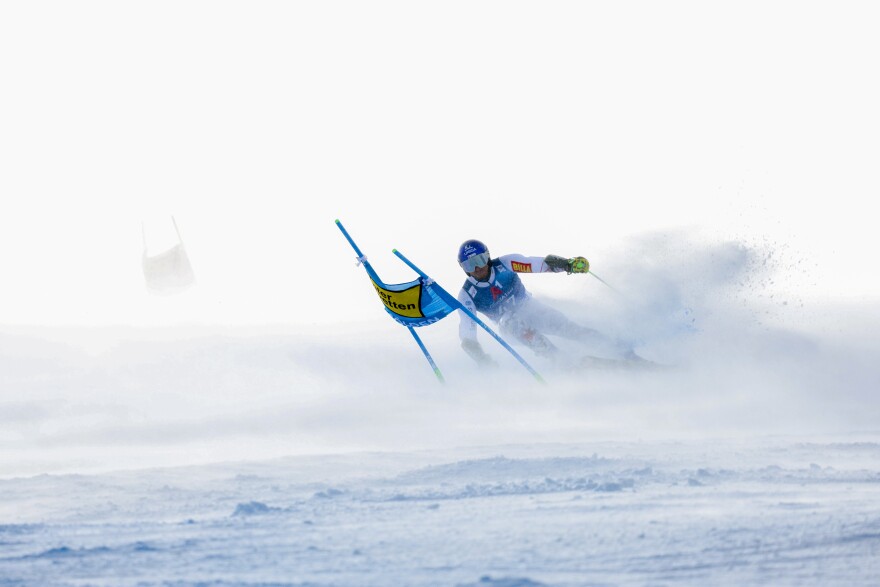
472, 254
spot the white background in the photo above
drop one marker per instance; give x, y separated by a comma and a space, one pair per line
564, 128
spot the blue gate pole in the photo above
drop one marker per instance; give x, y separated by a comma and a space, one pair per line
349, 239
427, 354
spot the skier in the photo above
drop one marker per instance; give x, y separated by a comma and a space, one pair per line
494, 288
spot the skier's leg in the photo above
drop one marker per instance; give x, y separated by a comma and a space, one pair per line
514, 326
552, 321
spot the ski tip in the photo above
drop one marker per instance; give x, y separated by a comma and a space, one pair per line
337, 221
394, 250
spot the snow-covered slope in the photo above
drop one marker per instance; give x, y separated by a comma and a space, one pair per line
708, 512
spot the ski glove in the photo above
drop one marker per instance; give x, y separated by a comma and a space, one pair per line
558, 264
578, 265
476, 352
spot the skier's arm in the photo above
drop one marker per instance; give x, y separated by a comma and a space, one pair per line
548, 264
467, 332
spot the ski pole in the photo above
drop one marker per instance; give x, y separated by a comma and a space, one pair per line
608, 285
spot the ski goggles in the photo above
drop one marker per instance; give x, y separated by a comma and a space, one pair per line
472, 263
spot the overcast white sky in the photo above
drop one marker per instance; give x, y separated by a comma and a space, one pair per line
563, 127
